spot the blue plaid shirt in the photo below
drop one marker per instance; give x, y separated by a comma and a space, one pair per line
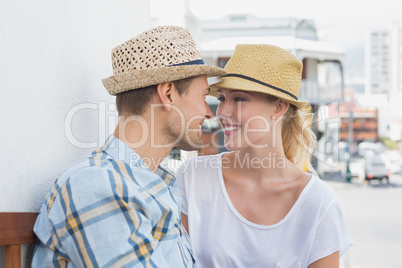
111, 210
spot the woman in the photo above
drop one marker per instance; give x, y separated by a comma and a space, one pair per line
254, 206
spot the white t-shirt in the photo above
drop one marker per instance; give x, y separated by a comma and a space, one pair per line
314, 228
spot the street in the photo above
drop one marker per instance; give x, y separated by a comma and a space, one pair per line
374, 216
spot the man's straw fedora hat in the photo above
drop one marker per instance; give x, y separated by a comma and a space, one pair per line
263, 68
162, 54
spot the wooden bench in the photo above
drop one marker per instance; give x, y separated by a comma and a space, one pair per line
16, 228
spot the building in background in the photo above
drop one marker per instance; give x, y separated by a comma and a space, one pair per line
364, 125
395, 56
383, 86
357, 123
377, 62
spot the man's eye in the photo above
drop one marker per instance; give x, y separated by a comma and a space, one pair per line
221, 98
239, 99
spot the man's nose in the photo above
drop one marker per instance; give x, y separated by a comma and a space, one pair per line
208, 113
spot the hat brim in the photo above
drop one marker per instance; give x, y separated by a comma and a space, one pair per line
119, 83
246, 85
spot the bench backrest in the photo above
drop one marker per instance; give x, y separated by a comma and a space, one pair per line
16, 228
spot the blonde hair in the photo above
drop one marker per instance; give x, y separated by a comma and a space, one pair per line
298, 138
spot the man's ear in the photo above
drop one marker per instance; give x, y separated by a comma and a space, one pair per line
281, 108
165, 92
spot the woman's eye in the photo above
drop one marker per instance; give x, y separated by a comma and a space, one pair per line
221, 98
238, 99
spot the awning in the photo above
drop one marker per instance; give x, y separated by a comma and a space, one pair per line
224, 47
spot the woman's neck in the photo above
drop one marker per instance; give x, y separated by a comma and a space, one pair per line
261, 164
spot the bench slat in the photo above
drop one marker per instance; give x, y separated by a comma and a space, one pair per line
16, 228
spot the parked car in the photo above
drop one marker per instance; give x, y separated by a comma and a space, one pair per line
367, 147
375, 169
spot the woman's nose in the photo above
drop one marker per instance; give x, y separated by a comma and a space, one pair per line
223, 110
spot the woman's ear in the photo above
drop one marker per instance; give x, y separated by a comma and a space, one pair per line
165, 93
281, 108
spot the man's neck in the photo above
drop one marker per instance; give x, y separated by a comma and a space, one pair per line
151, 148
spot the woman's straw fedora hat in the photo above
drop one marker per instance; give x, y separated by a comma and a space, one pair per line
162, 54
263, 68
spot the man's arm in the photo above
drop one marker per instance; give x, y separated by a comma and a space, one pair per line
184, 221
100, 219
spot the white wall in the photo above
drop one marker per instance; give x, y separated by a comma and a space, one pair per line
53, 55
170, 12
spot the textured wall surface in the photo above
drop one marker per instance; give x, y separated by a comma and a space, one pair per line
54, 109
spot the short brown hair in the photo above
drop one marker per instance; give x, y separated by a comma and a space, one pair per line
135, 102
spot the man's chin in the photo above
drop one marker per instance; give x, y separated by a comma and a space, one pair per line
190, 146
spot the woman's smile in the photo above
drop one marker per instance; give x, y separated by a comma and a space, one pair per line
230, 129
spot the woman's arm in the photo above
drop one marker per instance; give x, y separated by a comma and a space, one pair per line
331, 261
184, 221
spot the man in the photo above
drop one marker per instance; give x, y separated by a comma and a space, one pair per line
118, 207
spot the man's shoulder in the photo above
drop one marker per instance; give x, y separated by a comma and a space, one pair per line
98, 162
79, 168
90, 170
76, 167
85, 180
93, 170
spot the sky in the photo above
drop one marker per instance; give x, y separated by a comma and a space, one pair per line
343, 22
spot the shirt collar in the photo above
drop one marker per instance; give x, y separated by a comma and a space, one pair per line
122, 152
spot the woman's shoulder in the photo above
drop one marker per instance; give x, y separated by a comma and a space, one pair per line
321, 191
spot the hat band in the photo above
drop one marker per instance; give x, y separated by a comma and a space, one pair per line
261, 83
193, 62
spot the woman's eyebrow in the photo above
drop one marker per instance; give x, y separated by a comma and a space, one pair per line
241, 91
234, 91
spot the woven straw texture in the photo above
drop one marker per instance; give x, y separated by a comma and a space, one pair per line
268, 64
146, 60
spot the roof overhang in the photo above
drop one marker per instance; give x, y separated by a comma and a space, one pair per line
303, 48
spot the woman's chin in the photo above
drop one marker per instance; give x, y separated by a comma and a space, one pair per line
232, 147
